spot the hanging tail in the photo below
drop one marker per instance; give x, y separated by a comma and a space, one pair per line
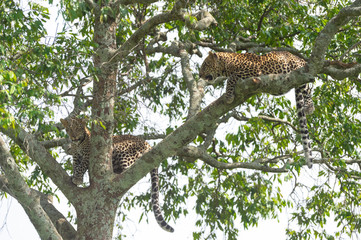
155, 201
304, 106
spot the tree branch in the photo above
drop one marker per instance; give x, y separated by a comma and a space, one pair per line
17, 187
194, 152
275, 84
204, 20
196, 89
267, 9
128, 2
277, 120
64, 228
240, 44
203, 121
92, 4
174, 49
152, 136
55, 143
134, 86
237, 45
175, 14
38, 153
340, 74
328, 32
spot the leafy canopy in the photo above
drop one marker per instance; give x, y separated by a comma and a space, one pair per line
44, 77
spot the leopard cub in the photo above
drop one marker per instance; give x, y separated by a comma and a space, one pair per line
237, 66
126, 150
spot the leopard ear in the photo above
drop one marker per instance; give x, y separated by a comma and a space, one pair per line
212, 56
64, 122
82, 121
85, 120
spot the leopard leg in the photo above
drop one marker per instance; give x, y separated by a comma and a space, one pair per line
80, 166
155, 201
231, 84
303, 126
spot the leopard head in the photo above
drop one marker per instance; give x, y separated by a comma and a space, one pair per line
210, 68
76, 129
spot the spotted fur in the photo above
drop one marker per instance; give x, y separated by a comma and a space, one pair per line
238, 66
126, 150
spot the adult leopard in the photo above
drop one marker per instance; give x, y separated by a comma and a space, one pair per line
238, 66
126, 150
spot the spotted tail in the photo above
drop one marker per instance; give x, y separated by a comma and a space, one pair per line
304, 106
155, 201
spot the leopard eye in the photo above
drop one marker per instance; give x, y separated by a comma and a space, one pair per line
76, 139
209, 77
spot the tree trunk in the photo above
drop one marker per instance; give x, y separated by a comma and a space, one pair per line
95, 216
100, 166
96, 208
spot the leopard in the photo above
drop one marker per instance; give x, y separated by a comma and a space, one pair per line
237, 66
126, 150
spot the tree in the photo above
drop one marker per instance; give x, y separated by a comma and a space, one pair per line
115, 60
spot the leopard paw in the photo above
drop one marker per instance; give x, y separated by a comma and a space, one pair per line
309, 109
77, 181
229, 99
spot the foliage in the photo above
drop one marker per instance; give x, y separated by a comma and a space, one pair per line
42, 80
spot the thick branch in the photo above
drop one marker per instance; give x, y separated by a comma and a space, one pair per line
38, 153
174, 49
340, 74
274, 84
175, 14
235, 46
55, 143
17, 187
204, 20
240, 44
328, 32
196, 89
64, 228
152, 136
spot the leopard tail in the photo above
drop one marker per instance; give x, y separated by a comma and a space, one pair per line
300, 103
155, 202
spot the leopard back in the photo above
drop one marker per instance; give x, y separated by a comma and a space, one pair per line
126, 150
238, 66
246, 65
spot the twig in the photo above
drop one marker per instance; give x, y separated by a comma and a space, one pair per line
267, 9
349, 50
243, 118
200, 153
